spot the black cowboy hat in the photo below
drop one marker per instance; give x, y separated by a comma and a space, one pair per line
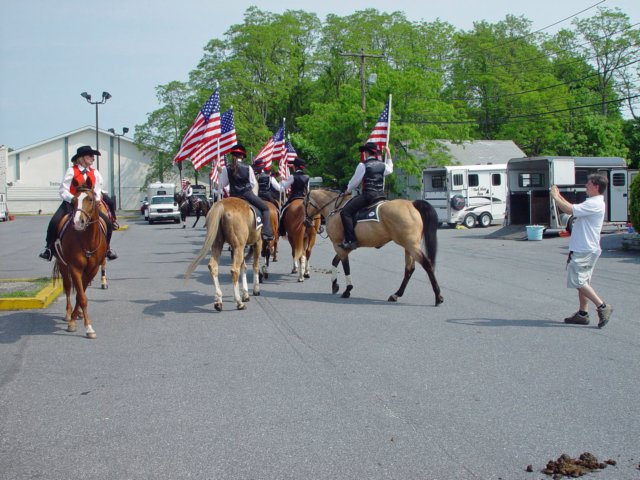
238, 150
370, 147
258, 167
82, 151
298, 163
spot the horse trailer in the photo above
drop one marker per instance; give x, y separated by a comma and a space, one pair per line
467, 194
530, 179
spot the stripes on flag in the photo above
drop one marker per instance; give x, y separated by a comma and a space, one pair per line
380, 131
287, 160
208, 147
228, 139
273, 150
194, 136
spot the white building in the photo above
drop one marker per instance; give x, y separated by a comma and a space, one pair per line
32, 174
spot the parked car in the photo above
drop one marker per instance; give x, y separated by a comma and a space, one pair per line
163, 207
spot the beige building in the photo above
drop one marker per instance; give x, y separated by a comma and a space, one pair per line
32, 175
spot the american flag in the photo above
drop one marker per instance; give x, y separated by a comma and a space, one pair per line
287, 160
208, 147
227, 140
273, 151
194, 136
380, 131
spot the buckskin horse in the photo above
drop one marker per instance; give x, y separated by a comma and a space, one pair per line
407, 223
301, 235
231, 221
79, 253
200, 208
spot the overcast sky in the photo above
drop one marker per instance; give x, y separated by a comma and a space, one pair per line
51, 51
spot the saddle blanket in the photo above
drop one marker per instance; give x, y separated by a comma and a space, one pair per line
370, 213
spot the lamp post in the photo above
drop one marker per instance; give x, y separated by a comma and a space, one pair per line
118, 135
105, 96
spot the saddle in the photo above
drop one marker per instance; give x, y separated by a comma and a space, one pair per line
257, 213
63, 226
369, 214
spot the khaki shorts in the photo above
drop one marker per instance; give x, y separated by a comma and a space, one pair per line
580, 269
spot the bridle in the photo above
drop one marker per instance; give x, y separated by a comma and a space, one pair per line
94, 208
337, 201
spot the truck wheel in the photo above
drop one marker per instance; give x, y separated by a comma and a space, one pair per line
469, 221
485, 220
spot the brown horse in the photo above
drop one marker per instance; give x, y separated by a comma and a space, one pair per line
200, 208
301, 235
271, 247
404, 222
79, 253
232, 221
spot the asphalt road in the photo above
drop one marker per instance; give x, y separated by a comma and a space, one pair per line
307, 385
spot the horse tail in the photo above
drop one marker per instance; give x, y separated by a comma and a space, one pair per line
429, 228
213, 225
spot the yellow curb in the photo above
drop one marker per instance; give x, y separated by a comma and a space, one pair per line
122, 227
42, 299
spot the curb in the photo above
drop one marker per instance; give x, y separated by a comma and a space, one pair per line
42, 299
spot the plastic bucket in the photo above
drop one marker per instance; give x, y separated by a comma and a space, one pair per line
534, 232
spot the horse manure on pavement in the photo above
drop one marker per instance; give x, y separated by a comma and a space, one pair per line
565, 466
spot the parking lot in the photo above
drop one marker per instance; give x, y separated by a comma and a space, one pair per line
307, 385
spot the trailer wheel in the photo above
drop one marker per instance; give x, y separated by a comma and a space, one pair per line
457, 202
469, 221
570, 223
485, 220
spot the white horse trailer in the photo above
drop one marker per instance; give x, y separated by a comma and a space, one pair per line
467, 194
530, 179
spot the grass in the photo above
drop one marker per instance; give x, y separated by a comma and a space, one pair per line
31, 289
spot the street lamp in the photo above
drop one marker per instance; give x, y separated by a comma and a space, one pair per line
105, 96
118, 135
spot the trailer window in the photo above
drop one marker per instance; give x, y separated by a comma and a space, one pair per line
473, 180
581, 176
619, 179
531, 180
496, 179
457, 179
437, 182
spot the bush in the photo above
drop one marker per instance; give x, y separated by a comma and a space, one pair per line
634, 203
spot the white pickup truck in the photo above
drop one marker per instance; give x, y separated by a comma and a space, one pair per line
162, 203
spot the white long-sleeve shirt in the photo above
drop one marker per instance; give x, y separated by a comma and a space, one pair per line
358, 175
223, 178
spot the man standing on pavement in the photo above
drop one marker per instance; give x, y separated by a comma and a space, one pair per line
584, 248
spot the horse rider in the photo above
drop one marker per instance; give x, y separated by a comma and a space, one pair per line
111, 205
188, 194
80, 170
266, 183
298, 181
241, 180
371, 173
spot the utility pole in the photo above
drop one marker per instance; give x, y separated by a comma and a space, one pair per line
362, 57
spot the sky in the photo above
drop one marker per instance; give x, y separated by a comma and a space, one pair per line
51, 51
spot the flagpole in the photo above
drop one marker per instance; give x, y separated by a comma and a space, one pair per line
389, 123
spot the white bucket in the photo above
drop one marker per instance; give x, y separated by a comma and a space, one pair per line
534, 232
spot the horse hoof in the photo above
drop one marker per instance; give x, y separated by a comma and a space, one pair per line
105, 286
242, 306
439, 300
300, 280
218, 306
91, 335
393, 298
184, 226
294, 270
335, 287
246, 298
346, 294
306, 275
71, 328
256, 293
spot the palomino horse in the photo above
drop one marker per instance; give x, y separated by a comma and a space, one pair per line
201, 208
301, 235
271, 247
405, 222
79, 253
232, 221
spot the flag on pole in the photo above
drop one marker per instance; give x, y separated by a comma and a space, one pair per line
193, 137
228, 139
273, 150
208, 148
380, 133
287, 160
